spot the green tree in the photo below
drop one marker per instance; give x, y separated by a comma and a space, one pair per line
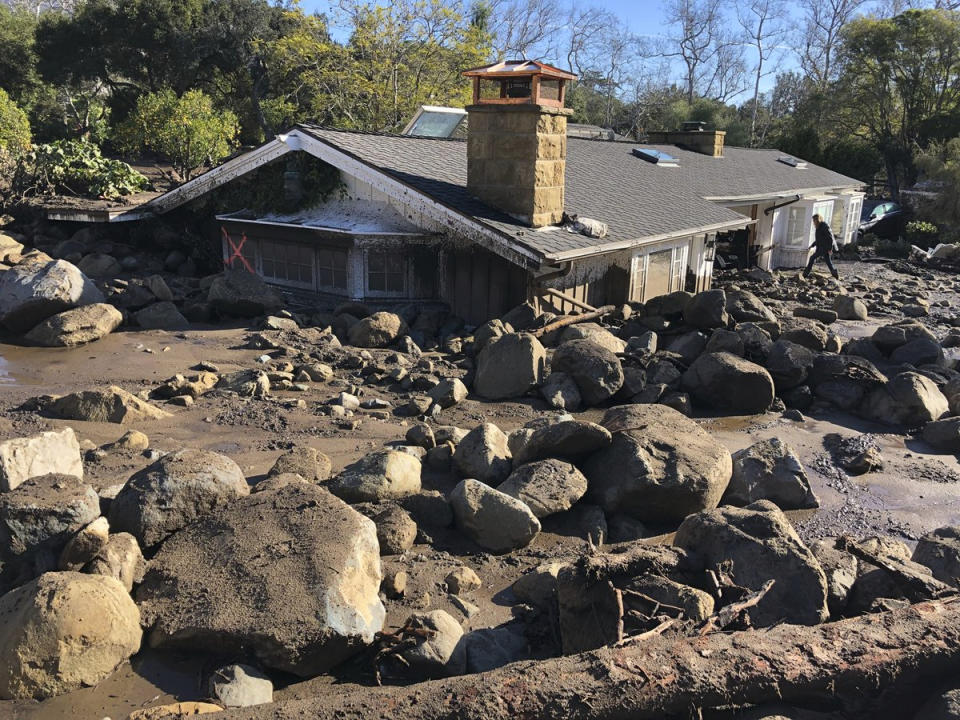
18, 62
14, 128
940, 162
900, 77
185, 129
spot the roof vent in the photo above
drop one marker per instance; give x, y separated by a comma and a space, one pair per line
793, 162
657, 157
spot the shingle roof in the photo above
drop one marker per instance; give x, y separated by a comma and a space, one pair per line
604, 180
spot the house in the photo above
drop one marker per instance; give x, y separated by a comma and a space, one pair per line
479, 224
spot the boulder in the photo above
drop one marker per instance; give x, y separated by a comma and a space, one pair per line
940, 551
789, 364
707, 310
730, 383
161, 316
696, 604
242, 293
909, 399
814, 313
379, 476
561, 392
689, 346
490, 330
770, 470
809, 333
492, 519
943, 434
290, 577
240, 686
484, 454
76, 326
114, 405
758, 543
64, 631
33, 291
436, 650
85, 545
725, 341
173, 492
919, 351
311, 464
840, 568
99, 265
744, 306
37, 520
572, 439
596, 334
120, 559
889, 337
596, 371
756, 341
396, 531
57, 451
490, 648
850, 308
509, 366
379, 330
538, 587
462, 580
448, 392
546, 486
659, 467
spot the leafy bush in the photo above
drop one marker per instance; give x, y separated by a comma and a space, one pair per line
75, 167
14, 127
922, 234
187, 130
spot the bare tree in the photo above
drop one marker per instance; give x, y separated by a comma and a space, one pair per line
763, 23
526, 28
36, 7
586, 29
823, 21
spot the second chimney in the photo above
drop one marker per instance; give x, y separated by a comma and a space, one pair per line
517, 139
693, 137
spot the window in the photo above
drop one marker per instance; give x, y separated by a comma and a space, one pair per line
824, 209
287, 263
836, 220
658, 273
332, 269
797, 231
853, 217
386, 273
659, 267
657, 157
639, 278
679, 268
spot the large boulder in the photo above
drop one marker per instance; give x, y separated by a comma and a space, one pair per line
484, 454
114, 405
660, 466
37, 520
492, 519
161, 316
596, 334
571, 439
289, 576
889, 337
173, 492
850, 308
940, 551
99, 265
379, 476
807, 332
789, 364
57, 451
436, 649
707, 310
379, 330
756, 544
77, 326
244, 294
597, 372
33, 291
730, 383
307, 462
917, 352
509, 366
62, 632
909, 399
770, 470
546, 486
744, 306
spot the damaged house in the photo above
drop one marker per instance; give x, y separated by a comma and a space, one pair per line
485, 224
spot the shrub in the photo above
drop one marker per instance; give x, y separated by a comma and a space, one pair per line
922, 234
867, 240
187, 130
14, 127
75, 167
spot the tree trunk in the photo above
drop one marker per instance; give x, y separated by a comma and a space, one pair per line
660, 676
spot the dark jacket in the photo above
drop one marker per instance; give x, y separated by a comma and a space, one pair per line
824, 241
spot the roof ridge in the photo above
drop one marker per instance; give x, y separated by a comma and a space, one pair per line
374, 133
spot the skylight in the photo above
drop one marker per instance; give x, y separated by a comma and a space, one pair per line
657, 157
793, 162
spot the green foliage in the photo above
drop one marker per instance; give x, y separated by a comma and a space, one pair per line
187, 130
18, 74
940, 163
75, 167
921, 233
14, 127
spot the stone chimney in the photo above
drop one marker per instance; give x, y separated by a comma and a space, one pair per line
517, 139
692, 136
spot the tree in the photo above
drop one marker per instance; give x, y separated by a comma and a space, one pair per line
18, 63
940, 162
900, 77
185, 129
762, 22
823, 22
526, 28
14, 128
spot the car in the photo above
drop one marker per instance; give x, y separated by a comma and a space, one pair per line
886, 220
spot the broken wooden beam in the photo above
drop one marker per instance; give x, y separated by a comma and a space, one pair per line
574, 319
670, 674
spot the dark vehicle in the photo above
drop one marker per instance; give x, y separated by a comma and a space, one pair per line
886, 220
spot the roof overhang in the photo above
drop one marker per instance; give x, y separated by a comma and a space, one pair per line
775, 195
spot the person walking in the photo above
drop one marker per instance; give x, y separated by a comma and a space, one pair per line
825, 244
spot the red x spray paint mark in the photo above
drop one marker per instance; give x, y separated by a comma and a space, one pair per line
236, 250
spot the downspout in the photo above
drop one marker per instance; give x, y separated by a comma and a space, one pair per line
770, 209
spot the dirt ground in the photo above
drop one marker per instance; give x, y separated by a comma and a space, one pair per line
915, 492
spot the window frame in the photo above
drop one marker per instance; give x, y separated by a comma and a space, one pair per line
264, 257
319, 268
403, 273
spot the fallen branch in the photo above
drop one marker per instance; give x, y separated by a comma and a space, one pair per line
574, 319
669, 675
915, 586
729, 613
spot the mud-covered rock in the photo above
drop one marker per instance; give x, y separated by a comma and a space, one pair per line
546, 486
114, 405
379, 330
509, 366
492, 519
311, 464
484, 454
244, 294
76, 326
378, 476
770, 470
730, 383
161, 316
34, 290
597, 372
908, 399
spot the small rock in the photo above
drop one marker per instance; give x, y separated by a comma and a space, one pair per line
462, 580
240, 686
